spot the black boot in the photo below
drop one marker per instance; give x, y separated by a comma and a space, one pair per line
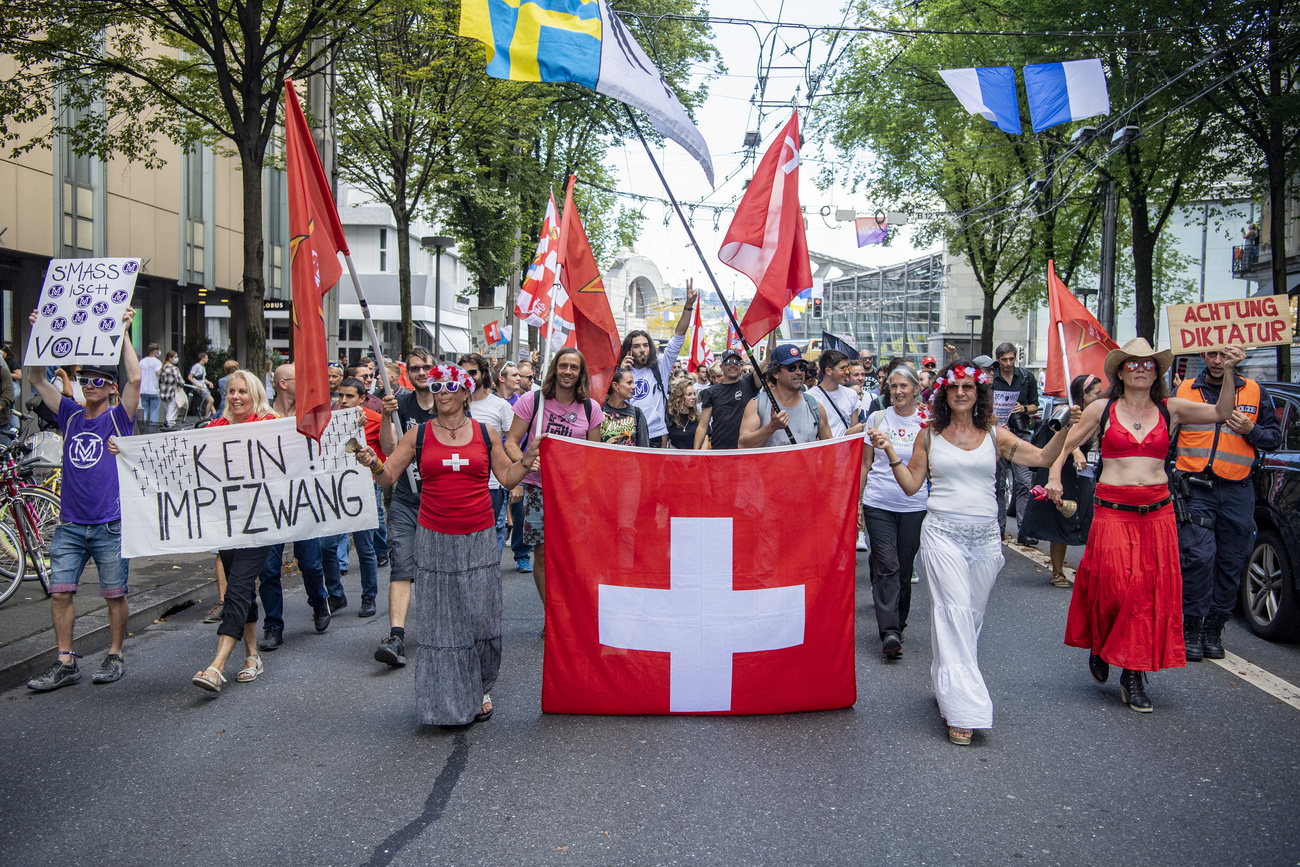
1099, 668
1132, 693
1212, 634
320, 616
1192, 637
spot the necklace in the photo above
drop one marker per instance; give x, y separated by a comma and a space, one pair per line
1137, 425
453, 429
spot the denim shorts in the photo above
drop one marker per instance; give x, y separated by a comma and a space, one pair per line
74, 545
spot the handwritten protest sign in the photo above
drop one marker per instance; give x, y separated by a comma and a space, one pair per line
1262, 321
1003, 403
79, 316
242, 486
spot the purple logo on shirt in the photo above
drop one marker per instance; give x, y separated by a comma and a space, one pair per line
85, 450
107, 324
642, 390
100, 309
84, 301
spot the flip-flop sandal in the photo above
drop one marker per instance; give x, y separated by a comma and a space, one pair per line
487, 714
959, 736
210, 684
250, 672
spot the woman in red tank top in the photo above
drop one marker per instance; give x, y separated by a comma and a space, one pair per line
1127, 604
457, 591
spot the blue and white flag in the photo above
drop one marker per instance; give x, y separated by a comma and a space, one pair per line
584, 42
989, 91
1062, 92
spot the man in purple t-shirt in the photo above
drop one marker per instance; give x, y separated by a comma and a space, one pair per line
567, 410
90, 513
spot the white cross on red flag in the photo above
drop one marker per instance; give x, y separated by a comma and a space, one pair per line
540, 288
715, 595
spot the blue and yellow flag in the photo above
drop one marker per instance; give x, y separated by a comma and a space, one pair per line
584, 42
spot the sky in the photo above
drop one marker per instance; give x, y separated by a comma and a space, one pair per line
723, 119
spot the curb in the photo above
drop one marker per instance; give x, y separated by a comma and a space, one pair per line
32, 655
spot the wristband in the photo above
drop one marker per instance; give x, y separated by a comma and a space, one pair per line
378, 467
893, 464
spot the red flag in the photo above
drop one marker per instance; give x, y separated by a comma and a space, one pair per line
766, 238
315, 240
701, 355
535, 296
1085, 340
492, 333
710, 600
593, 321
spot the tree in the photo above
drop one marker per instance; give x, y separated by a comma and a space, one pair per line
193, 70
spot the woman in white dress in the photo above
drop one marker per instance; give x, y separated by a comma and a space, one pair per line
961, 547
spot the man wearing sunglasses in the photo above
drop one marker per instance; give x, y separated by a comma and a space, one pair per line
413, 409
90, 513
366, 374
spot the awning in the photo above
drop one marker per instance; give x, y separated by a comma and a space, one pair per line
455, 340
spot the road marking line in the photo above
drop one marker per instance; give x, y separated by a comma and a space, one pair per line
1256, 676
1038, 557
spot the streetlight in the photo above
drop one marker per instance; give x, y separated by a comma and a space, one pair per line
437, 243
970, 324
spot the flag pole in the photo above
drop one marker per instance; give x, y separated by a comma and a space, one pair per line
749, 350
374, 336
1065, 359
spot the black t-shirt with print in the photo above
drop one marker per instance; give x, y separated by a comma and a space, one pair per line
728, 404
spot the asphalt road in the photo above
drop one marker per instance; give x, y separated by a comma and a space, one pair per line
321, 761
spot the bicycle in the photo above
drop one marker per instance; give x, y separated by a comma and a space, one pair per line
29, 515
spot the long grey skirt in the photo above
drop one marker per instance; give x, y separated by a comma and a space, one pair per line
456, 604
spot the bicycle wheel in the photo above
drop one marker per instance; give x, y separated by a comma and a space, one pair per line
44, 508
13, 566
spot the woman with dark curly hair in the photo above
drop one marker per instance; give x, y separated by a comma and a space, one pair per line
961, 546
1127, 604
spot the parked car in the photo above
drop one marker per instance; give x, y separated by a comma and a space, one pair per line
1270, 587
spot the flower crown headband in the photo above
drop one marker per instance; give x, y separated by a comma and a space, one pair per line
452, 373
962, 371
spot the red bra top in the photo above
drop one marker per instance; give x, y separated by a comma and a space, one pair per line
1118, 442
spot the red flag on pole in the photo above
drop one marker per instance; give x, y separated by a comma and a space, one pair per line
701, 355
538, 292
1075, 339
766, 239
315, 240
593, 320
721, 604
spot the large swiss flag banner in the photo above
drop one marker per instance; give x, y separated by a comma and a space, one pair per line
699, 582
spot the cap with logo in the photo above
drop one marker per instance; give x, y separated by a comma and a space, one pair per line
787, 354
730, 356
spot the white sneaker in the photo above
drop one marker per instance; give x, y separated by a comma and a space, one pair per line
862, 541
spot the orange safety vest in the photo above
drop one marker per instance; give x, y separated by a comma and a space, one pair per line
1227, 454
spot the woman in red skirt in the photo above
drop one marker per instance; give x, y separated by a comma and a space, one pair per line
1127, 606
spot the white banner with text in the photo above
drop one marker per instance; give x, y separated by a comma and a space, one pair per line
242, 486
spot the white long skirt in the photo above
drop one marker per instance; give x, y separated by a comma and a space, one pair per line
962, 559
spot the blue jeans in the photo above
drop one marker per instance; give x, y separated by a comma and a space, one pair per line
499, 497
381, 535
367, 562
318, 562
149, 405
518, 546
72, 547
344, 541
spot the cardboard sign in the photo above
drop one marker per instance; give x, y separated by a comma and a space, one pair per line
1263, 321
79, 317
242, 486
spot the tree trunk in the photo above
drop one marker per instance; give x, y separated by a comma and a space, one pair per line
254, 260
1144, 247
403, 219
986, 324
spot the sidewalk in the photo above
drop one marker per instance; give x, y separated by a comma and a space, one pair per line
159, 585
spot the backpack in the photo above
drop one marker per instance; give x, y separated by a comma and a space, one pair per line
808, 399
419, 450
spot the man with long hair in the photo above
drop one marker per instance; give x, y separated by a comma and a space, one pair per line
653, 371
567, 410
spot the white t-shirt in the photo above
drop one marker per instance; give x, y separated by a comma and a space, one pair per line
844, 399
882, 490
198, 373
498, 415
647, 395
149, 367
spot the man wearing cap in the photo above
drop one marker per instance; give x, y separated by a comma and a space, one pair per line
90, 511
798, 414
652, 372
1215, 463
722, 406
1015, 400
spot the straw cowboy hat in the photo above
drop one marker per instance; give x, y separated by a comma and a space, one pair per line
1137, 348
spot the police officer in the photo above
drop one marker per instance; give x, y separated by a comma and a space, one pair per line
1217, 532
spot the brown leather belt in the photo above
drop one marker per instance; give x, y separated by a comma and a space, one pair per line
1141, 510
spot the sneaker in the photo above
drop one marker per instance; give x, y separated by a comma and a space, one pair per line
391, 651
58, 675
916, 577
367, 607
337, 603
524, 564
110, 670
892, 646
862, 542
382, 561
214, 613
